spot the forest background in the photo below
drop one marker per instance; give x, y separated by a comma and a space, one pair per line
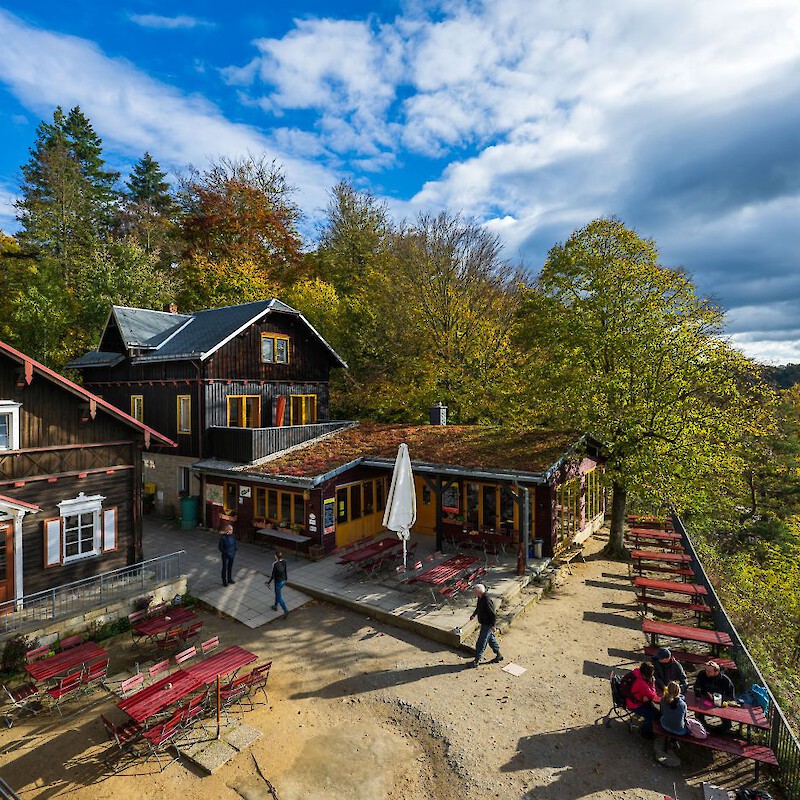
601, 338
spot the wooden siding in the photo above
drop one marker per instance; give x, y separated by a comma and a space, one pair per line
249, 444
118, 490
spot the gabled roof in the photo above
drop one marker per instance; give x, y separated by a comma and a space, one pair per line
95, 358
32, 367
163, 336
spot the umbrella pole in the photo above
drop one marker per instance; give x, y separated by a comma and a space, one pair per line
405, 563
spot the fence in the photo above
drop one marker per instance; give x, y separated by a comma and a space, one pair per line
781, 737
80, 596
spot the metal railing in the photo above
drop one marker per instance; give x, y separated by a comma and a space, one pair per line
83, 595
781, 737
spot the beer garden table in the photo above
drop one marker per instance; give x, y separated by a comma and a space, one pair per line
66, 662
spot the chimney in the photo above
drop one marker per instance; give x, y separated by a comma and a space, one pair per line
171, 307
438, 413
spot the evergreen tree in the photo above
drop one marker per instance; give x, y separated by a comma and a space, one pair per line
146, 185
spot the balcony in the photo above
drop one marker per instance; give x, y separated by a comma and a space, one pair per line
244, 445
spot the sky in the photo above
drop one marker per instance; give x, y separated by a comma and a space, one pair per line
681, 118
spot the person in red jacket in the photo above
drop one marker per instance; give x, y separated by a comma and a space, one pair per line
643, 697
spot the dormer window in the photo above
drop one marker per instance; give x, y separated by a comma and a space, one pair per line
274, 348
9, 425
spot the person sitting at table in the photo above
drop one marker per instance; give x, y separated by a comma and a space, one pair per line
642, 697
709, 681
674, 715
668, 669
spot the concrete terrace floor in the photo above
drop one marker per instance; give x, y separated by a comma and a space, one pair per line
386, 597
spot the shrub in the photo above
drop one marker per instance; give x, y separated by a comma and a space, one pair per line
14, 653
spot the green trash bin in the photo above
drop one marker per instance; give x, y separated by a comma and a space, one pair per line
188, 513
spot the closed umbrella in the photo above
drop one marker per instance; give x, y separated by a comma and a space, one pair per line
401, 505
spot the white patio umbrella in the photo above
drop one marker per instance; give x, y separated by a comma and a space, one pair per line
401, 505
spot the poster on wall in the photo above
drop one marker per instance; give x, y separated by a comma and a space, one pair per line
329, 515
214, 494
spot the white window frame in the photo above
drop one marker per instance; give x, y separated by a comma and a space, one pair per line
82, 505
11, 409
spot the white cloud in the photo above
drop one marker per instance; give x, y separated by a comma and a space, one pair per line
8, 214
132, 111
169, 23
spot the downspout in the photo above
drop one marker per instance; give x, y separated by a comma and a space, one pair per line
200, 434
525, 521
19, 593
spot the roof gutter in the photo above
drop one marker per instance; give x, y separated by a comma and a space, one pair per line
464, 472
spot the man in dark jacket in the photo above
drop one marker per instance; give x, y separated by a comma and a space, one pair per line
484, 611
280, 576
668, 669
709, 681
227, 546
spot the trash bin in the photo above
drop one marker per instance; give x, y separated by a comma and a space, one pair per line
188, 513
537, 547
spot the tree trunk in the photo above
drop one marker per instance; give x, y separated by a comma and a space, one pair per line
616, 544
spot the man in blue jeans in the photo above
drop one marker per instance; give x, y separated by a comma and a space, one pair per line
484, 611
227, 546
279, 575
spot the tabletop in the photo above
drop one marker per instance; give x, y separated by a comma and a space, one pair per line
174, 618
285, 536
160, 696
370, 550
657, 555
444, 570
686, 632
746, 715
223, 663
65, 662
693, 589
652, 533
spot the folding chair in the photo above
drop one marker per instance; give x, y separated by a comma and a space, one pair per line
70, 641
134, 618
160, 737
172, 640
619, 710
209, 645
95, 675
232, 694
131, 685
193, 631
185, 655
257, 682
22, 699
157, 609
158, 668
124, 736
194, 711
67, 687
37, 654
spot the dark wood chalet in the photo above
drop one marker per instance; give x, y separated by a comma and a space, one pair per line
70, 480
234, 384
493, 481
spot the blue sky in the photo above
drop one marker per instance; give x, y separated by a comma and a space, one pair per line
533, 116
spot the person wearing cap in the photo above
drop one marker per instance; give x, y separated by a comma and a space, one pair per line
227, 546
709, 681
668, 669
487, 617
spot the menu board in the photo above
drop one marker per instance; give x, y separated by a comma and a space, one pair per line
329, 516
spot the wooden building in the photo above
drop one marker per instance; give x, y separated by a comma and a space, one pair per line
232, 384
70, 479
467, 478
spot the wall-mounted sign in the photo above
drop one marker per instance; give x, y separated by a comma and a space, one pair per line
312, 519
244, 491
329, 515
149, 463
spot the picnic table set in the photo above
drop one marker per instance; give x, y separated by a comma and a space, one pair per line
660, 551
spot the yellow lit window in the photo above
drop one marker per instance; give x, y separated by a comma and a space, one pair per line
244, 411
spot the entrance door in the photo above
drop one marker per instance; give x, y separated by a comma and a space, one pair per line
6, 561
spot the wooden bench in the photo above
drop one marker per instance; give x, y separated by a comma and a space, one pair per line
568, 555
760, 754
679, 605
683, 572
685, 657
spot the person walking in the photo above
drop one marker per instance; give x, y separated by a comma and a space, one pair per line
487, 617
279, 575
227, 546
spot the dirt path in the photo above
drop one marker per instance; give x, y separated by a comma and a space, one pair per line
366, 712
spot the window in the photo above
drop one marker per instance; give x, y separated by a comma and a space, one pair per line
274, 348
244, 411
355, 501
286, 508
303, 409
231, 500
341, 505
9, 425
184, 481
83, 530
275, 506
272, 504
137, 407
184, 413
298, 510
380, 494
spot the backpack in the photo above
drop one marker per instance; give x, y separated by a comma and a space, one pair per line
625, 686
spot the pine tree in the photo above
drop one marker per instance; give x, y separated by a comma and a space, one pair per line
147, 185
149, 215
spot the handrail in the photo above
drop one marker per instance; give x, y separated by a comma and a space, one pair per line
79, 596
782, 739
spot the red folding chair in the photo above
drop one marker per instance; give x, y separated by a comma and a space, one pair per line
209, 645
160, 737
95, 675
131, 685
23, 699
67, 687
193, 631
124, 736
70, 642
157, 609
157, 669
172, 640
257, 682
37, 654
134, 618
194, 711
185, 655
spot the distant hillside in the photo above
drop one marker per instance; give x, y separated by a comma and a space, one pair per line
783, 377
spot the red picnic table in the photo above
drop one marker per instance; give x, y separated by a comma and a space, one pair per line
173, 618
444, 571
159, 696
66, 662
659, 538
751, 716
694, 590
658, 561
658, 555
685, 633
229, 660
649, 521
370, 551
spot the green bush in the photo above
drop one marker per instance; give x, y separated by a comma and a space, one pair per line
14, 653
